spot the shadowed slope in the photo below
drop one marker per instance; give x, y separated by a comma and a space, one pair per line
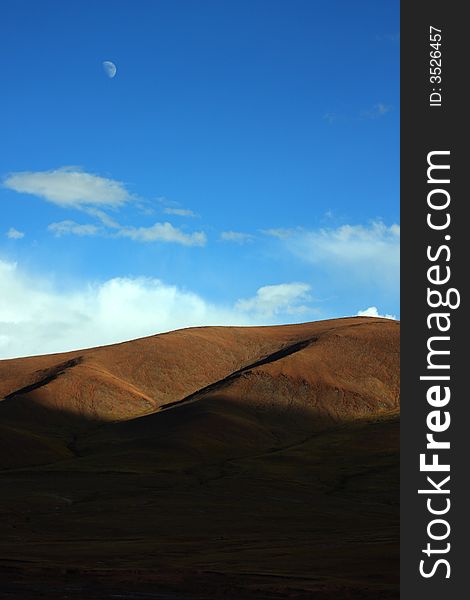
168, 367
214, 462
247, 382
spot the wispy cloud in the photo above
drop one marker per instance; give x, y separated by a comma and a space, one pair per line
164, 232
271, 300
158, 232
373, 311
72, 228
236, 236
179, 212
375, 112
72, 188
69, 187
281, 233
363, 252
14, 234
102, 216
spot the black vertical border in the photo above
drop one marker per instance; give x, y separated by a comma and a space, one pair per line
424, 129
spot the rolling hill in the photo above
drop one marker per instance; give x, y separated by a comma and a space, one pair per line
216, 462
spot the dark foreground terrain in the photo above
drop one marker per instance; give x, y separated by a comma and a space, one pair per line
208, 463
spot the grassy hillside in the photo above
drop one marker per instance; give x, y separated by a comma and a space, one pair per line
206, 463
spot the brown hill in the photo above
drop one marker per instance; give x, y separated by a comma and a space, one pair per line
256, 459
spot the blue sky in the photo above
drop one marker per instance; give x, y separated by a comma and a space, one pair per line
241, 167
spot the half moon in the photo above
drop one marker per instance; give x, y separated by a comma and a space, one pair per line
109, 68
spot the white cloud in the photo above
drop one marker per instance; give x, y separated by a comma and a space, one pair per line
70, 227
69, 187
164, 232
236, 236
274, 299
38, 317
179, 212
373, 311
105, 219
363, 253
14, 234
281, 233
378, 110
159, 232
